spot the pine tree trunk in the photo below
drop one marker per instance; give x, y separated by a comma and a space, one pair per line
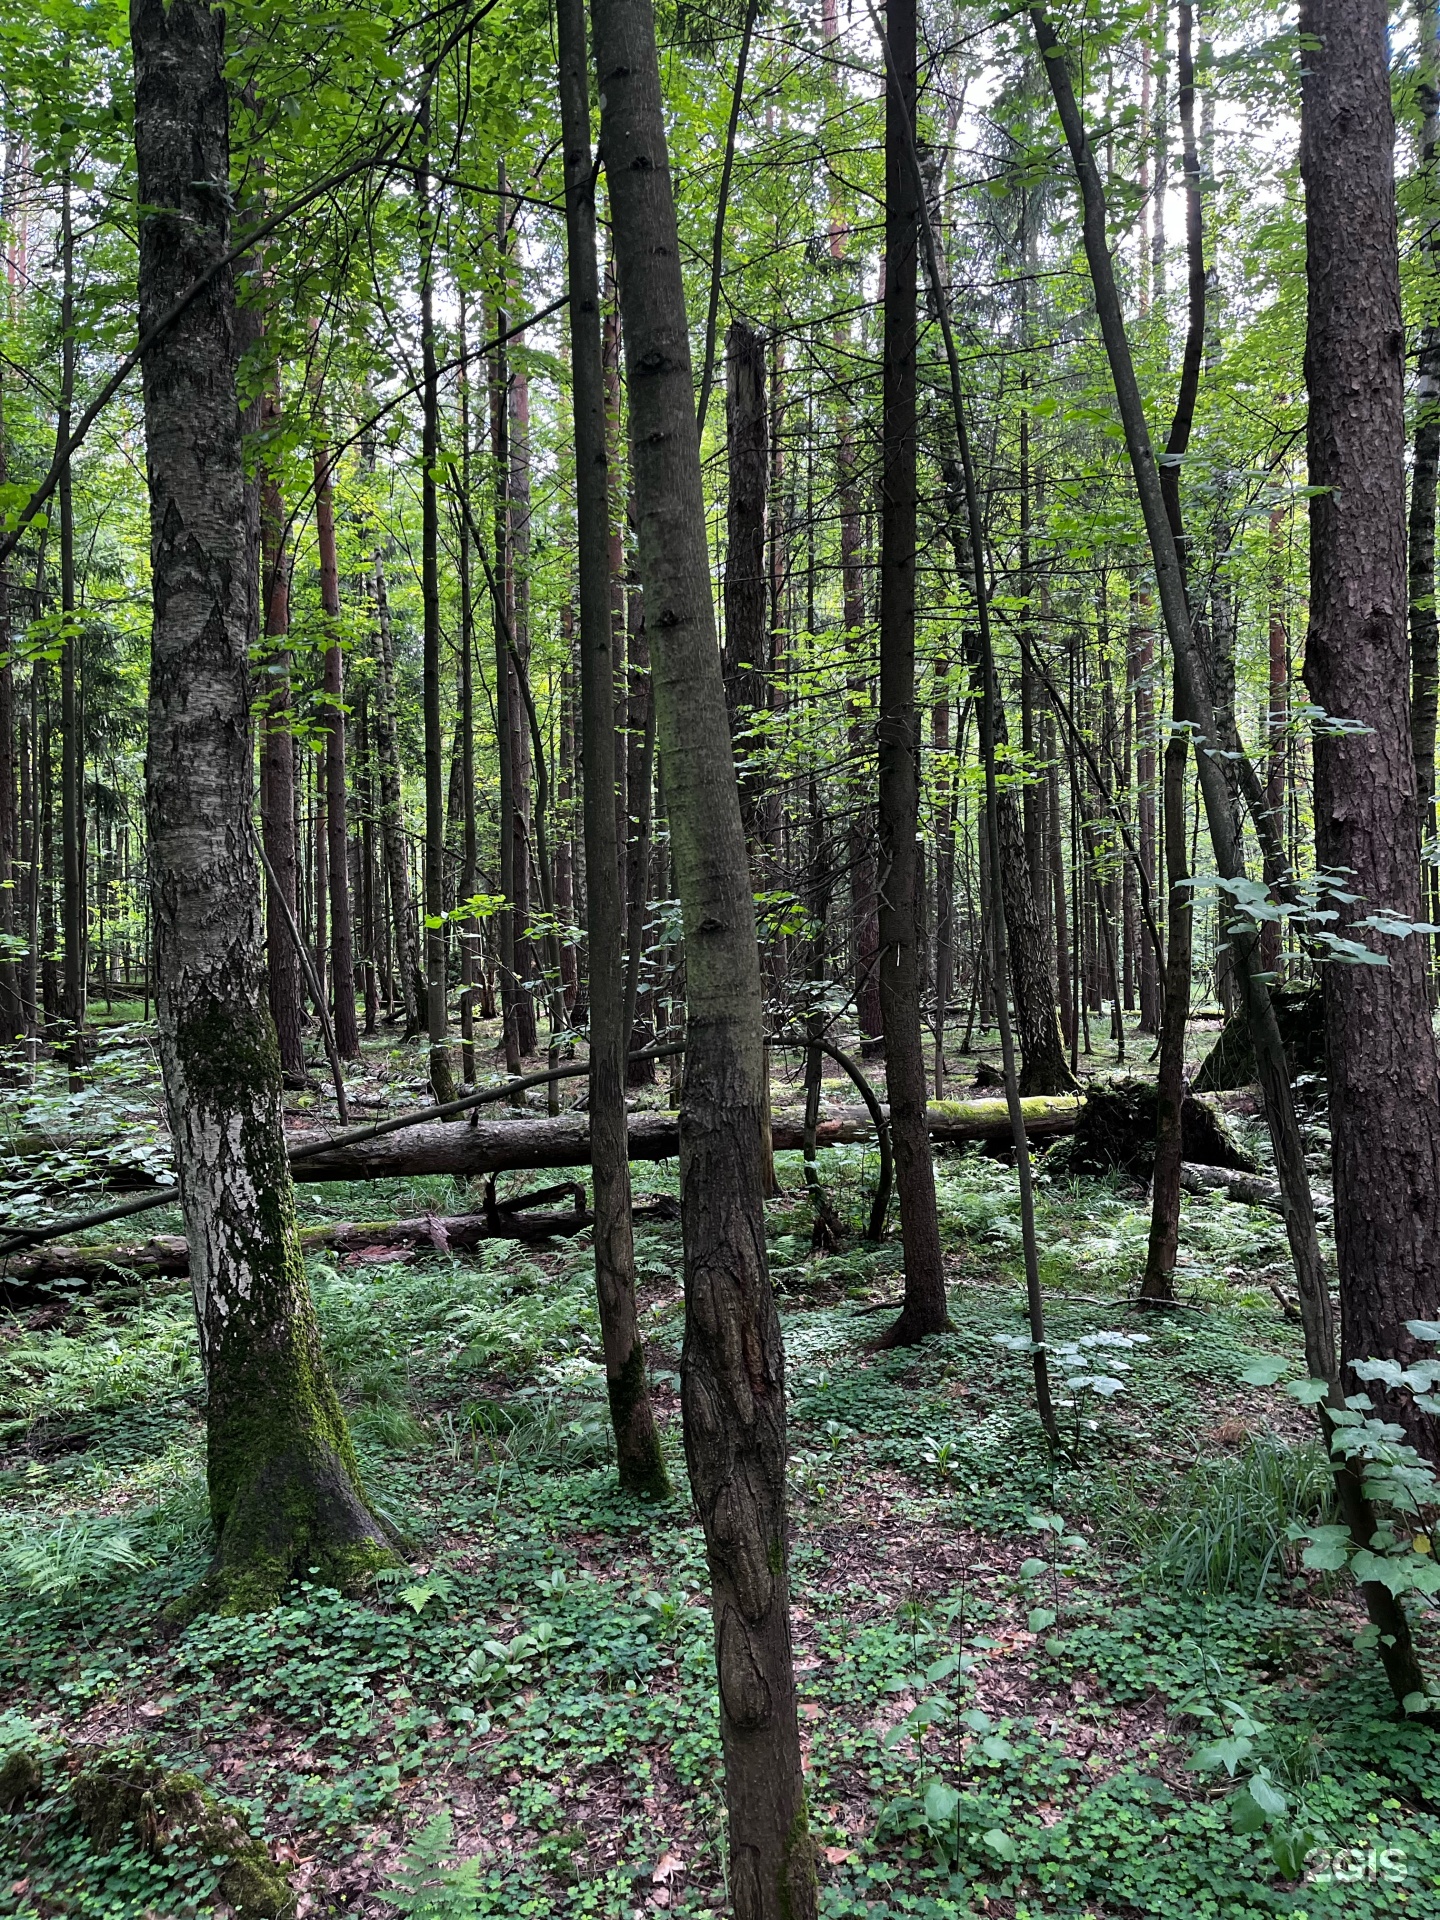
284, 1488
924, 1311
637, 1443
1384, 1090
733, 1367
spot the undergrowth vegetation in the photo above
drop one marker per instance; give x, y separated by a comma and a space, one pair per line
1100, 1687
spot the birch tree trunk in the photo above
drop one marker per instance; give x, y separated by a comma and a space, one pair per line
733, 1364
284, 1487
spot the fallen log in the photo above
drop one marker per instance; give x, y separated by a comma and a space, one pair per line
167, 1255
1248, 1189
407, 1146
504, 1146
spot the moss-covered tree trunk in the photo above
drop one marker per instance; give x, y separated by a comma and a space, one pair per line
283, 1484
733, 1364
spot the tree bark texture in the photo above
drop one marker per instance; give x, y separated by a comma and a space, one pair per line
284, 1488
733, 1363
637, 1443
925, 1309
1424, 624
1384, 1089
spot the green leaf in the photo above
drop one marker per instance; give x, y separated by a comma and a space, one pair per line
1040, 1618
996, 1747
940, 1803
1265, 1372
1223, 1753
1308, 1392
1268, 1798
1246, 1813
1000, 1843
1324, 1558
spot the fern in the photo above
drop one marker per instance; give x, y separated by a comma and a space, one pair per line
429, 1884
84, 1550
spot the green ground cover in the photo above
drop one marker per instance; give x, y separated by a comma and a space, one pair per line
1022, 1686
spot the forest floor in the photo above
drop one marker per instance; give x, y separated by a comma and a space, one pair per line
1008, 1667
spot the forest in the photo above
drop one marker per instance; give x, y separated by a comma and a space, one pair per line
719, 943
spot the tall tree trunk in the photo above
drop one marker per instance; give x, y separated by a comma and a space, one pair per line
277, 776
284, 1487
864, 930
746, 587
565, 802
1380, 1046
392, 814
1056, 841
639, 786
1144, 668
1277, 726
733, 1365
72, 865
924, 1311
470, 839
437, 1019
517, 609
1158, 1281
637, 1444
1042, 1046
944, 862
1424, 623
12, 1007
506, 693
337, 841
